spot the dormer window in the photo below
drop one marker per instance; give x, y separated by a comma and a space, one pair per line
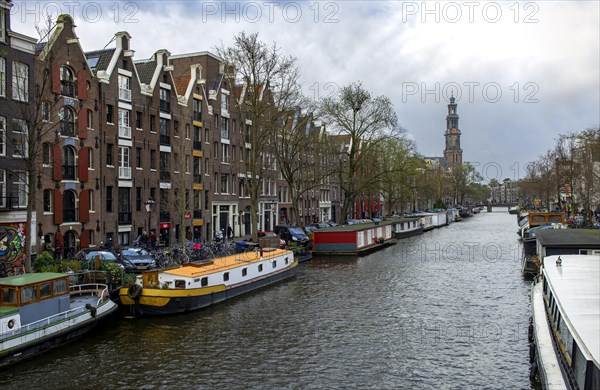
67, 81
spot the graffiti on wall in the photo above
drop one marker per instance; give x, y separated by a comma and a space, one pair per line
12, 243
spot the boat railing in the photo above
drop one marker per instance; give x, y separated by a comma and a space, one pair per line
63, 316
100, 289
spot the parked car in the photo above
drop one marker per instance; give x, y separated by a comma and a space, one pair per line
89, 256
136, 259
320, 225
293, 234
269, 238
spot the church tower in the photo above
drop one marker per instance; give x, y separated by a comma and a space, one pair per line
452, 152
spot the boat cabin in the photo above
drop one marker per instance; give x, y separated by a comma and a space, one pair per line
544, 218
28, 298
567, 242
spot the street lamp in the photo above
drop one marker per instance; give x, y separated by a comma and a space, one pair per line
274, 210
150, 204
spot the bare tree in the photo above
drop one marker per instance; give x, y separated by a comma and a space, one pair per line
365, 122
269, 90
399, 166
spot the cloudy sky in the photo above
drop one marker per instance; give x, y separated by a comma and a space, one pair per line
522, 72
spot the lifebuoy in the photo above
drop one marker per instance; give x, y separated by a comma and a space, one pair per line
134, 291
11, 324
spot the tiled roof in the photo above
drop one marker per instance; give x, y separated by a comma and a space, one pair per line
181, 84
104, 56
145, 70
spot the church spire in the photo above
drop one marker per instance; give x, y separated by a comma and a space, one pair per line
452, 152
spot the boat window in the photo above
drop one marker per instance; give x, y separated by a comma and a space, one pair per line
60, 286
260, 267
204, 281
286, 261
45, 290
401, 226
179, 283
27, 294
226, 276
9, 295
274, 263
555, 218
244, 271
538, 218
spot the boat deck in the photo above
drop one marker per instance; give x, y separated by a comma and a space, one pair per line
549, 366
226, 262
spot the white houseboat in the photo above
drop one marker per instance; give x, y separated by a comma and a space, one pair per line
196, 285
566, 322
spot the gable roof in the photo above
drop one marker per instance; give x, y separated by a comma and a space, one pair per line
103, 59
145, 70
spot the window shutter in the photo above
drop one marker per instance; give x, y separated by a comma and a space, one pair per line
83, 164
58, 207
56, 77
84, 240
82, 123
84, 206
82, 84
57, 161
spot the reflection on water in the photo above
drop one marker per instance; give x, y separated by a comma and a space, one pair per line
447, 309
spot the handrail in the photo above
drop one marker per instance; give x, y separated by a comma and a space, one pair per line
65, 314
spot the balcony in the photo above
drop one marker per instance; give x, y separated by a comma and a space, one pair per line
197, 145
165, 106
67, 129
124, 131
164, 216
69, 215
68, 172
124, 218
197, 116
125, 94
67, 88
125, 173
165, 139
197, 214
165, 176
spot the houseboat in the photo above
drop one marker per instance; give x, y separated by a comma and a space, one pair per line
541, 218
40, 311
439, 218
565, 325
353, 239
426, 220
561, 242
197, 285
406, 227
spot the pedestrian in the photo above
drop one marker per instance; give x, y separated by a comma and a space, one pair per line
229, 232
153, 240
58, 250
196, 235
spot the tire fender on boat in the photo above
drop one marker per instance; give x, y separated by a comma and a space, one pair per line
92, 309
134, 291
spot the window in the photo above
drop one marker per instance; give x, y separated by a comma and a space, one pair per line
244, 271
260, 268
2, 26
197, 110
225, 276
204, 281
109, 114
47, 201
67, 122
90, 158
274, 264
2, 188
90, 119
20, 144
91, 192
224, 184
2, 67
138, 157
109, 199
165, 104
176, 128
206, 167
45, 111
225, 154
138, 120
138, 198
20, 185
20, 84
45, 289
153, 159
60, 286
153, 123
28, 294
9, 295
225, 128
206, 136
68, 163
187, 130
124, 88
124, 128
2, 136
67, 81
224, 102
46, 153
124, 162
109, 154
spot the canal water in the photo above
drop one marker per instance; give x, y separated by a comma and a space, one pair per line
448, 309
